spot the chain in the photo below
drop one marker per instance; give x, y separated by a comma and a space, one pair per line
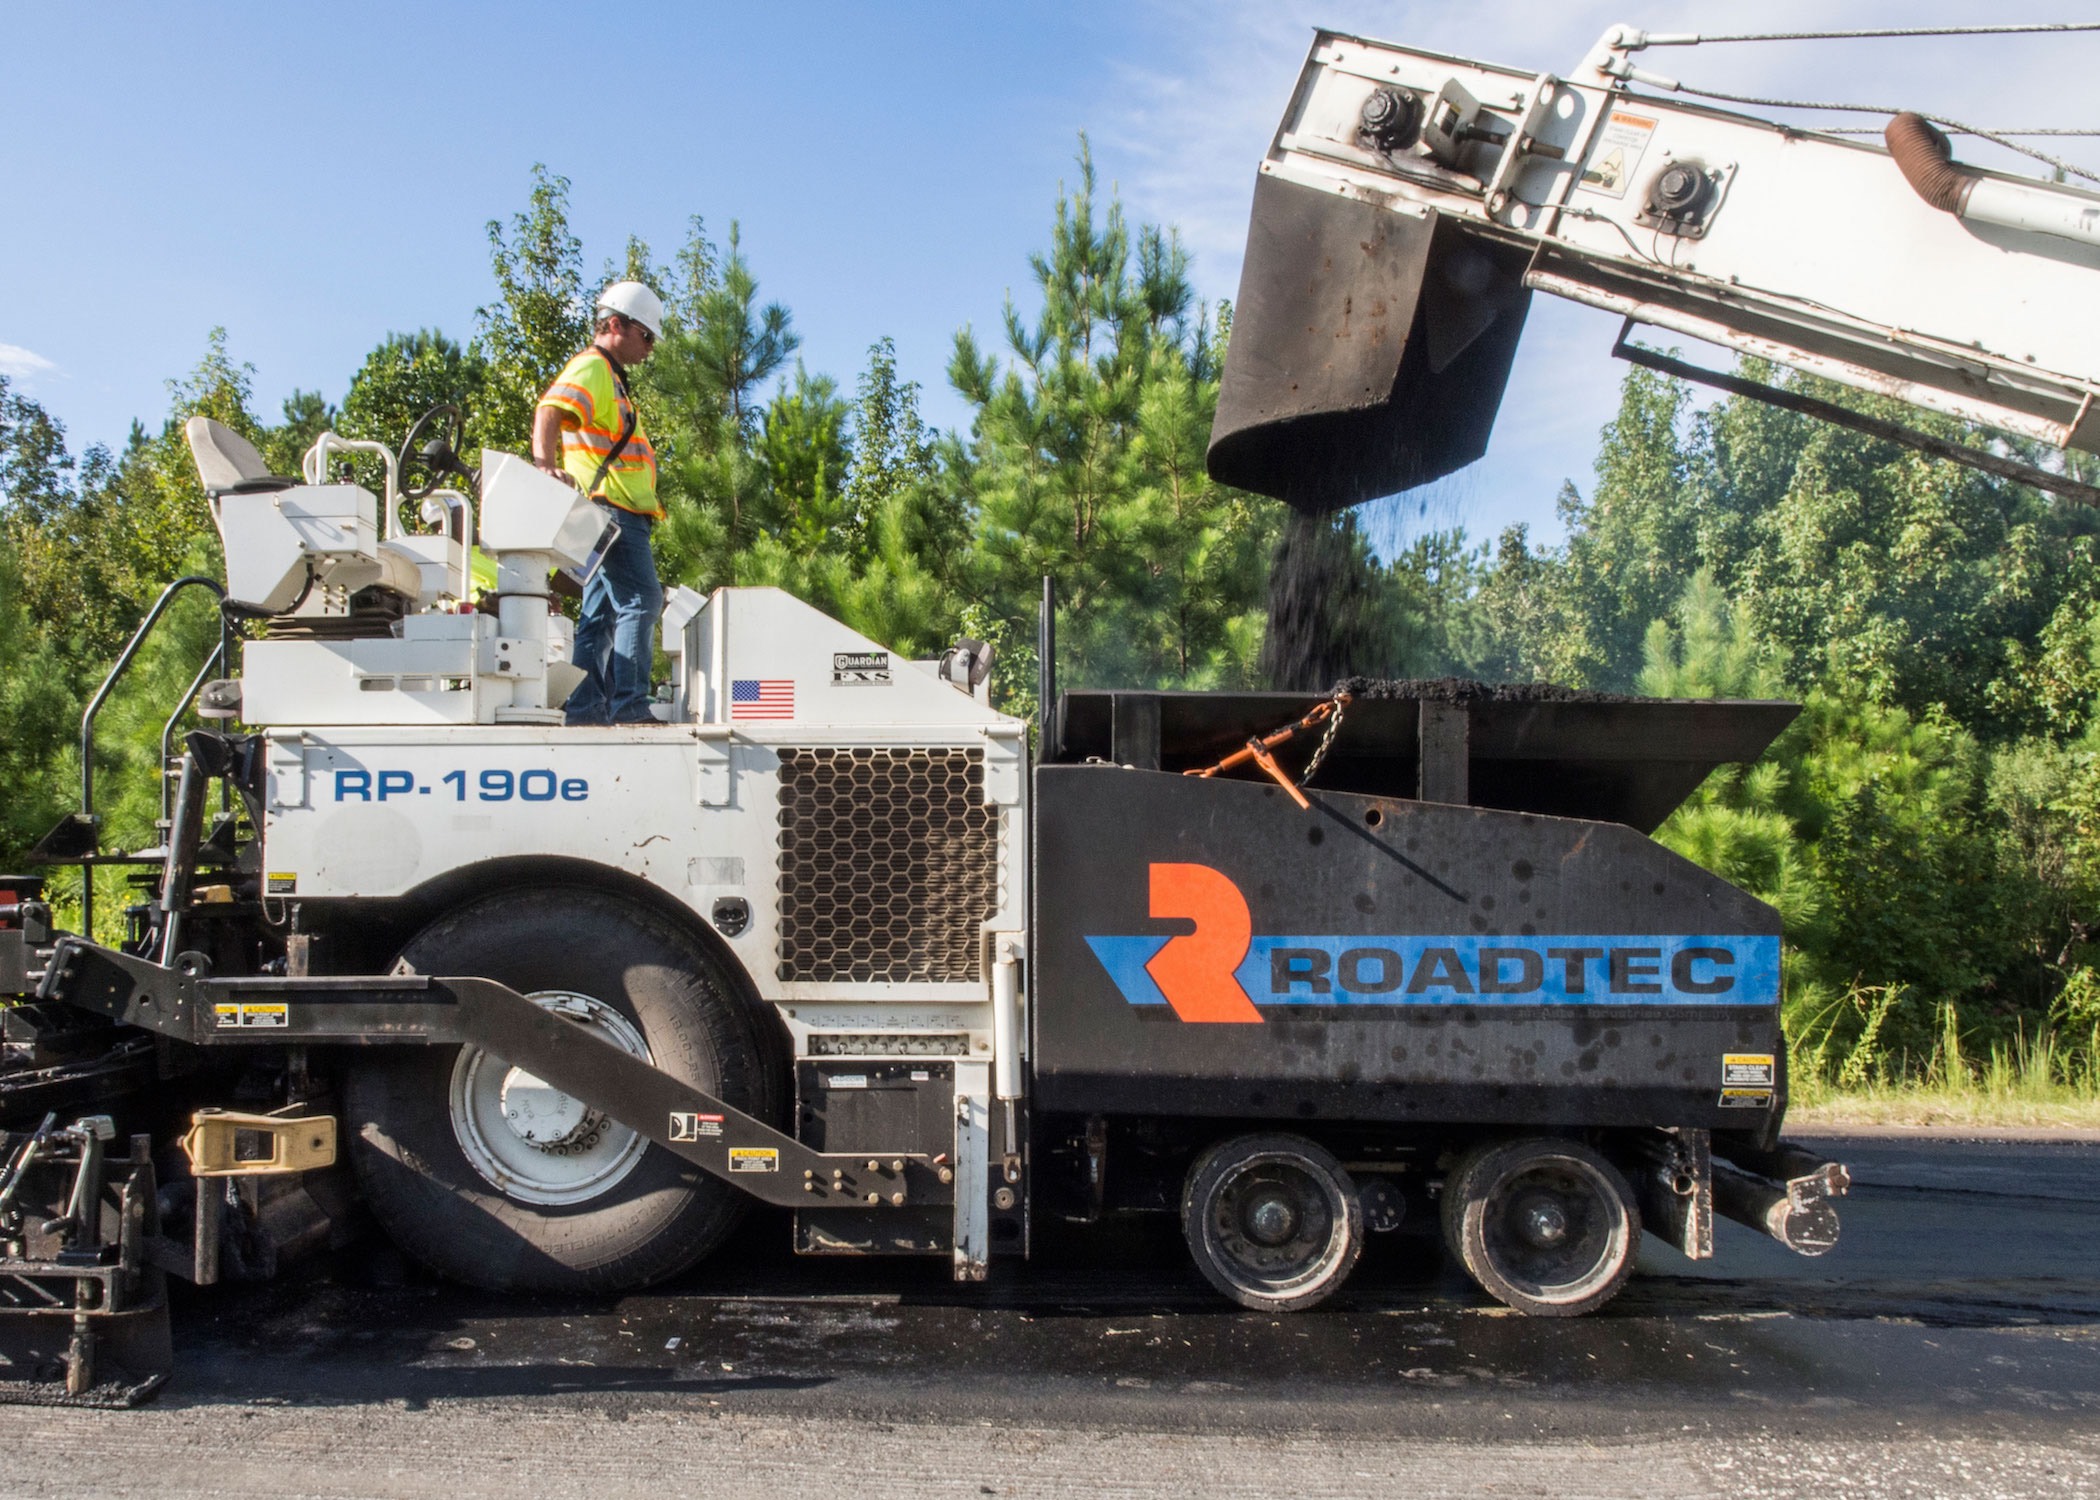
1334, 725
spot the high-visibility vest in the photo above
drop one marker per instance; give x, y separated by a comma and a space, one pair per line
595, 410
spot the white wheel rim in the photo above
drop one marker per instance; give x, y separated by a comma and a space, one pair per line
535, 1143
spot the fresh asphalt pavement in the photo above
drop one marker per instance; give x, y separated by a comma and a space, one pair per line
1950, 1345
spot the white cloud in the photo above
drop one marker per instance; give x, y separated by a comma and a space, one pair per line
17, 363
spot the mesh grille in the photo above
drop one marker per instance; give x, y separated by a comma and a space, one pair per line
889, 864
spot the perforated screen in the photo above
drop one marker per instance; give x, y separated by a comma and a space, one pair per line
889, 864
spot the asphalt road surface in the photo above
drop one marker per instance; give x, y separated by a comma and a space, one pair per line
1949, 1346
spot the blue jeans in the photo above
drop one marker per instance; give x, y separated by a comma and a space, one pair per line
615, 629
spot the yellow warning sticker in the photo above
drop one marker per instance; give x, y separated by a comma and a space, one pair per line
1748, 1070
281, 883
1746, 1098
268, 1014
753, 1159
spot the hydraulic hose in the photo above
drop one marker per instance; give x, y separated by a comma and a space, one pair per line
1927, 160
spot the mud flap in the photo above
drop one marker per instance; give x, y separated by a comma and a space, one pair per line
1369, 348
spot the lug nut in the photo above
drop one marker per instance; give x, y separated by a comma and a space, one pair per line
896, 1200
874, 1166
897, 1165
874, 1198
947, 1174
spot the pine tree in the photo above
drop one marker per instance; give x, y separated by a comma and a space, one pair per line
705, 410
1084, 461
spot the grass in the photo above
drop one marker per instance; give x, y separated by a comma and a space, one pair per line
2041, 1081
1920, 1104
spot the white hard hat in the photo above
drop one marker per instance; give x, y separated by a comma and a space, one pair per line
631, 299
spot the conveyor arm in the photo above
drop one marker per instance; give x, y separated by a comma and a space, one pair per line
1411, 202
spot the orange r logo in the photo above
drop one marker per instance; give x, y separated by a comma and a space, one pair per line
1195, 969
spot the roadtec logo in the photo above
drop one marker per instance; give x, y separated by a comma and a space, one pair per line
1223, 972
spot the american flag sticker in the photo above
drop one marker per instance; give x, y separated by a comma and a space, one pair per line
762, 698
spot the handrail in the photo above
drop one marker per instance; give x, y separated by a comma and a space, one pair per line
313, 468
167, 731
94, 708
460, 506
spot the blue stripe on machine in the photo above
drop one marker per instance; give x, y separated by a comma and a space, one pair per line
1476, 970
1619, 969
1125, 959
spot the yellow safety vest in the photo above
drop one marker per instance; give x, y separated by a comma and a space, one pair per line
595, 410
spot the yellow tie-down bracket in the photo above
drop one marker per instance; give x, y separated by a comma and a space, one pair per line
225, 1143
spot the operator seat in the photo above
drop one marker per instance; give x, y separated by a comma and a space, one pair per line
227, 463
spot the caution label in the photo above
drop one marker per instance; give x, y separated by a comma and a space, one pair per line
1617, 155
688, 1126
1748, 1070
753, 1159
255, 1014
280, 883
1746, 1098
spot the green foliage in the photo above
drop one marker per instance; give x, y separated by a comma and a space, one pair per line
36, 472
403, 377
541, 316
701, 395
41, 711
1084, 462
1907, 576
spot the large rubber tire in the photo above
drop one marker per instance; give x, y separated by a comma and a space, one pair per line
661, 1214
1272, 1221
1548, 1227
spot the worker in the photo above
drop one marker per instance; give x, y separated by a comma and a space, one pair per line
587, 432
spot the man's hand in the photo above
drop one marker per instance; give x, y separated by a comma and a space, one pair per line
546, 445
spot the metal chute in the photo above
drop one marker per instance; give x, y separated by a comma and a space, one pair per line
1369, 349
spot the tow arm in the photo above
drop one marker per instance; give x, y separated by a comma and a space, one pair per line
187, 1004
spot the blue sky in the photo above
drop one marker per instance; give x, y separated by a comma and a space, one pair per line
313, 177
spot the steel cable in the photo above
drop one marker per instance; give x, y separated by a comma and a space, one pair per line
1827, 36
1881, 109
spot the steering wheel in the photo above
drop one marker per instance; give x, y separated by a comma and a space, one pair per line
437, 456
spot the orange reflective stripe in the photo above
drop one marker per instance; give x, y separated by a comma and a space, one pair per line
575, 397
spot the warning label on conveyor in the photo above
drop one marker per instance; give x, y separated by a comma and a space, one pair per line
1617, 155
